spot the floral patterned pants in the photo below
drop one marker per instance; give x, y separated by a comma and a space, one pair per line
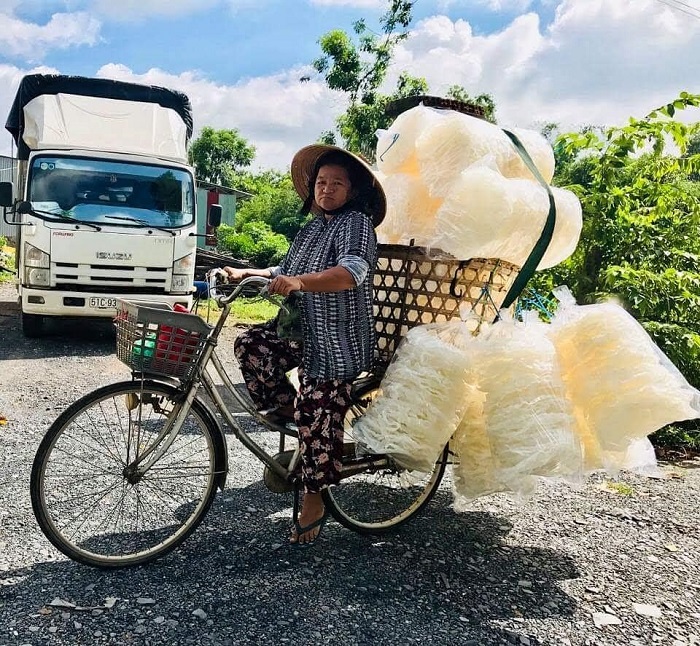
319, 406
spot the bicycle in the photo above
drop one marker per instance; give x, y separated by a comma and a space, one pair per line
126, 473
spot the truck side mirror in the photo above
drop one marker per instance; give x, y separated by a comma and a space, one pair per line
7, 194
214, 217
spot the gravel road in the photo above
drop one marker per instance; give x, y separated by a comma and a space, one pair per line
615, 562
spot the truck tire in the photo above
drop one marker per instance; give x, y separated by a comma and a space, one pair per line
32, 325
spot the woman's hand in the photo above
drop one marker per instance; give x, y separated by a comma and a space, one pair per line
285, 285
234, 274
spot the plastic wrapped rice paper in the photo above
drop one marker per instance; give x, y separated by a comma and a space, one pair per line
410, 211
396, 147
527, 417
453, 143
540, 152
474, 469
425, 392
487, 215
622, 386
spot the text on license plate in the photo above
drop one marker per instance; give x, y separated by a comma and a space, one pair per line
103, 303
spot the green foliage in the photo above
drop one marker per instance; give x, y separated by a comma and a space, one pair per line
683, 437
7, 260
274, 201
484, 101
255, 242
219, 155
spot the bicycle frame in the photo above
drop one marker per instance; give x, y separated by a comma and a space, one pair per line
203, 378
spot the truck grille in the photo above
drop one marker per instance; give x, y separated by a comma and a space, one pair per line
110, 278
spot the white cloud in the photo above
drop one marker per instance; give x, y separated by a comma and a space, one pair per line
277, 114
597, 62
31, 41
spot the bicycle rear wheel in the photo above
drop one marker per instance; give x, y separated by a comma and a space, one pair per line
87, 501
376, 501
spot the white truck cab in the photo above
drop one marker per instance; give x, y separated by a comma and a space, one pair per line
104, 200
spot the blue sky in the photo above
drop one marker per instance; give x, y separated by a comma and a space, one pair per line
569, 61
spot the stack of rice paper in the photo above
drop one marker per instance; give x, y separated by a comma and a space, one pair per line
526, 400
526, 426
425, 393
622, 387
457, 183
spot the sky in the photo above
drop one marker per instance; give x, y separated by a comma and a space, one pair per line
572, 62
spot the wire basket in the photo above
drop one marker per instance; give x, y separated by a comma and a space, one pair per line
154, 340
413, 287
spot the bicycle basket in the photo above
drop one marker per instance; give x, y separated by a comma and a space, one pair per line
413, 287
152, 339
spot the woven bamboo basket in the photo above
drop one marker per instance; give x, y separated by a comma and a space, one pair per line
413, 287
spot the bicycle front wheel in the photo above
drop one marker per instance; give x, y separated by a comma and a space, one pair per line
375, 501
88, 499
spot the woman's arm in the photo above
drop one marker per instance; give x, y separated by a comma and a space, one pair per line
335, 279
235, 274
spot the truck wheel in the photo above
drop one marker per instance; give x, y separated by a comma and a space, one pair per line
32, 325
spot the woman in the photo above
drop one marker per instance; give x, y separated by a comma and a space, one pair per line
331, 263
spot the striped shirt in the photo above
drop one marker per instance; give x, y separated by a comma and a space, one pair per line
338, 327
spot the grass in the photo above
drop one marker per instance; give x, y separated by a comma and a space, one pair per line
244, 311
620, 487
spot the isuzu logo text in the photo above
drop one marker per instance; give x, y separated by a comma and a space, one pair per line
113, 255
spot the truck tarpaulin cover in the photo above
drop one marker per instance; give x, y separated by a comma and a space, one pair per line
56, 111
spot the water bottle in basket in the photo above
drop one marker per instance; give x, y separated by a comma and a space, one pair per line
144, 347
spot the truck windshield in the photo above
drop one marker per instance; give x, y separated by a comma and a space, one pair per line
96, 190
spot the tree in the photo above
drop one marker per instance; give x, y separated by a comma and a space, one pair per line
255, 242
360, 69
274, 201
219, 155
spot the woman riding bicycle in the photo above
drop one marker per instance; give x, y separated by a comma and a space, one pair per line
327, 277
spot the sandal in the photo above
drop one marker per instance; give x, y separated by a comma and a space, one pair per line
299, 529
320, 522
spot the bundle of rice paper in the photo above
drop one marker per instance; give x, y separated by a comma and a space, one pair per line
487, 215
528, 419
622, 386
410, 210
540, 152
454, 142
474, 471
396, 147
425, 392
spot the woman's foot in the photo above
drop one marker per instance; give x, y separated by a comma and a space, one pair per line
312, 515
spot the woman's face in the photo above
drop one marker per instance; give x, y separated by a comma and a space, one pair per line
332, 189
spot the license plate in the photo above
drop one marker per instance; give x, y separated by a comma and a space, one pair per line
103, 303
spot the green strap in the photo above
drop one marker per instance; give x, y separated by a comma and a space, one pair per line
528, 269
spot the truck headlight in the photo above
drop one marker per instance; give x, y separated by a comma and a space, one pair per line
181, 283
34, 257
183, 274
37, 277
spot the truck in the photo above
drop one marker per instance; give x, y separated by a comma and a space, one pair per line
104, 200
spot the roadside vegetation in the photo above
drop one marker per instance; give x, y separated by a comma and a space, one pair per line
7, 261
